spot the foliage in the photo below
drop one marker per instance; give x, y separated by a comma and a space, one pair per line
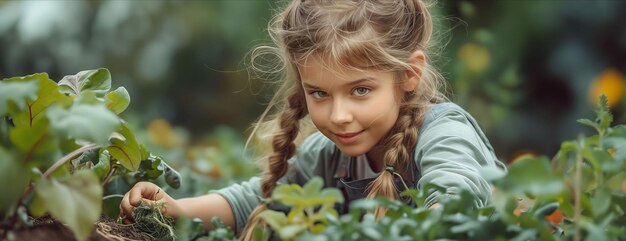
582, 196
60, 143
310, 207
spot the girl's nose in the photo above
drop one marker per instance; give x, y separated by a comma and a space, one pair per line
340, 114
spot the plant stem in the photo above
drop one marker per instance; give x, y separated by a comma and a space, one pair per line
109, 176
112, 196
68, 157
577, 193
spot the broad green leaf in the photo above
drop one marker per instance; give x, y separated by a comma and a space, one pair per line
372, 233
14, 178
290, 231
103, 166
285, 191
37, 207
118, 100
88, 97
47, 95
616, 141
492, 173
313, 187
98, 81
364, 204
35, 142
126, 150
600, 202
333, 193
143, 150
275, 219
75, 201
532, 176
18, 93
94, 123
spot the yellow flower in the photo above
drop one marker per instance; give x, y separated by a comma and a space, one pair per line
610, 83
476, 57
160, 132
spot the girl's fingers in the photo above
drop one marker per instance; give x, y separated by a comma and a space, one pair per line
126, 210
142, 191
139, 191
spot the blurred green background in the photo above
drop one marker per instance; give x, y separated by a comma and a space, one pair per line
525, 69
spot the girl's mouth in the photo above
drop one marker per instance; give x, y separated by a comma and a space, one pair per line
348, 137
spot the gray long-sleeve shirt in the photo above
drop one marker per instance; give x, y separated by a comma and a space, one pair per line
450, 150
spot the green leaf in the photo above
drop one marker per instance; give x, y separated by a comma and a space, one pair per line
600, 202
35, 142
312, 187
76, 201
37, 207
275, 219
98, 81
589, 123
125, 148
118, 100
18, 93
47, 95
92, 123
532, 176
150, 168
103, 166
290, 231
14, 178
333, 193
88, 97
285, 191
492, 173
172, 177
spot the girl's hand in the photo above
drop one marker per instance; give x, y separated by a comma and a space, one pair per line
151, 194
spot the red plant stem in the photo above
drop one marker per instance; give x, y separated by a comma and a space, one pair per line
30, 151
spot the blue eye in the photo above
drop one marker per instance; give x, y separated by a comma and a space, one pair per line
317, 94
360, 91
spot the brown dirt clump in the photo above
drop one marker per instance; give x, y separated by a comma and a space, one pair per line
105, 229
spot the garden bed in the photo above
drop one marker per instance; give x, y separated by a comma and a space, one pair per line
105, 229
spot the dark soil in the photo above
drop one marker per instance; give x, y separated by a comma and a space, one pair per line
105, 229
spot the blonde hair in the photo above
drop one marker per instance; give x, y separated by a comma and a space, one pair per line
361, 34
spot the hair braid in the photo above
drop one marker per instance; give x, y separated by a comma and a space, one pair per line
398, 154
283, 142
284, 148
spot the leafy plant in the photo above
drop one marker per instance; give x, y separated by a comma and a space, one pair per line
310, 207
60, 143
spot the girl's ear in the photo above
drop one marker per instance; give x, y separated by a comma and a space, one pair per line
413, 76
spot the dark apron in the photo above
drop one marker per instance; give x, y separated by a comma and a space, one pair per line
357, 189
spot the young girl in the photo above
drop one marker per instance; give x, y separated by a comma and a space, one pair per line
358, 69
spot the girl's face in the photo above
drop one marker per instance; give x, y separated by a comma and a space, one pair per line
354, 109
